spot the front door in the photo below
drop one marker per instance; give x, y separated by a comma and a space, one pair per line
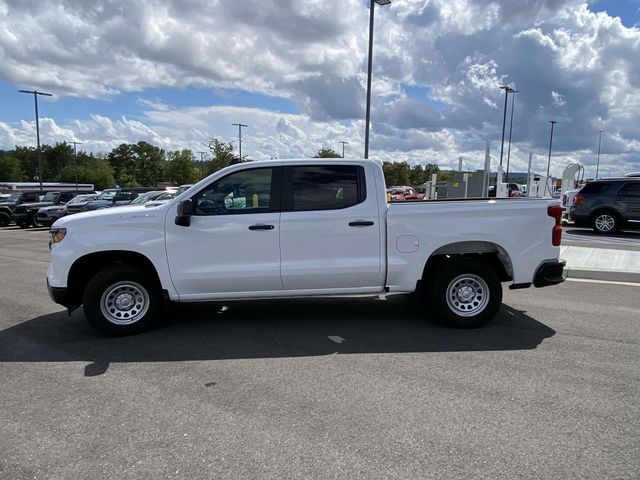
232, 245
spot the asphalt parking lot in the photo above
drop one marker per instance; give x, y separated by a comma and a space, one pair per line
353, 389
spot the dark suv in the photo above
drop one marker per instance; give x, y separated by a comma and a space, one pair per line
608, 204
16, 198
25, 214
111, 197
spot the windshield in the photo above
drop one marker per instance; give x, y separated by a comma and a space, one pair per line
49, 197
107, 195
13, 197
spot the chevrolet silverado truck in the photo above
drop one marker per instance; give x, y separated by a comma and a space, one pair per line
297, 228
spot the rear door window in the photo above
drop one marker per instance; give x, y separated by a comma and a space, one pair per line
631, 190
325, 187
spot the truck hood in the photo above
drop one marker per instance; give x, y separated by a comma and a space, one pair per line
111, 216
31, 206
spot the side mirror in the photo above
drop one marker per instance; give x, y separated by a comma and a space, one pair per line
185, 210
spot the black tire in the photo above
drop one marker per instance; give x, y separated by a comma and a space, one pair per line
4, 219
138, 293
23, 225
34, 221
605, 221
465, 292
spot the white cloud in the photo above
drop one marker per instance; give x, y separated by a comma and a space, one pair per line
569, 64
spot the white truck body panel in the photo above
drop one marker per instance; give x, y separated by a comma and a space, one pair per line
312, 252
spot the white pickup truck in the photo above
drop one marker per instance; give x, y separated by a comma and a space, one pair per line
301, 228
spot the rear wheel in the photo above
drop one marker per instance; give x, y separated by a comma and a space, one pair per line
122, 300
605, 222
466, 293
4, 219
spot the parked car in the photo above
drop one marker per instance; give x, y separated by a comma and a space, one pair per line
162, 199
183, 188
608, 204
16, 198
301, 228
403, 193
568, 199
25, 214
112, 197
46, 216
147, 197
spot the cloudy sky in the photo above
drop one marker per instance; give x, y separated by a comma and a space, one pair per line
177, 72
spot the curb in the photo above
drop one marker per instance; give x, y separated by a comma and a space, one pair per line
604, 275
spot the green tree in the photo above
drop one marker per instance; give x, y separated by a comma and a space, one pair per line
150, 161
11, 169
28, 159
222, 154
90, 169
54, 159
396, 173
180, 168
139, 164
416, 175
123, 161
326, 153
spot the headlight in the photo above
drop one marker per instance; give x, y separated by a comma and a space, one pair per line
57, 235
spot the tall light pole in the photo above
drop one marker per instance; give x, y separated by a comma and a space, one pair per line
35, 94
513, 102
599, 143
75, 156
506, 89
343, 144
368, 113
240, 125
202, 163
546, 183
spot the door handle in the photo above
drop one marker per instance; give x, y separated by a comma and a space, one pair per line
261, 227
360, 223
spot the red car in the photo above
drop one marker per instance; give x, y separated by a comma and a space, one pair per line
403, 193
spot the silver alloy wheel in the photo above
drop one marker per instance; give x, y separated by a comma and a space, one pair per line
124, 303
467, 295
605, 222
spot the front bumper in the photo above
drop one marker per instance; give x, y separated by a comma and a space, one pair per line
550, 273
59, 295
21, 217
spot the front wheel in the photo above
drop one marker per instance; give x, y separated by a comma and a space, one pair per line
466, 293
121, 300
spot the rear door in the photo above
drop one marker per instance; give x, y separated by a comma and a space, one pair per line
329, 229
629, 200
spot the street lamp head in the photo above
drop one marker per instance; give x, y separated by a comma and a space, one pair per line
506, 88
552, 121
382, 2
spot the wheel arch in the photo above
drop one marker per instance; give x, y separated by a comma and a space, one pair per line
606, 209
489, 253
85, 267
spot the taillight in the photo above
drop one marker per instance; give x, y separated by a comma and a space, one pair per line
555, 211
577, 199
